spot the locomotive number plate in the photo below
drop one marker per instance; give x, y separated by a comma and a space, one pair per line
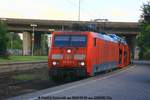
68, 57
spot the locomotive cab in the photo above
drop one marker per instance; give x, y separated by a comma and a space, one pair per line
67, 56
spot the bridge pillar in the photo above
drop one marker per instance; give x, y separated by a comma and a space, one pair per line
131, 40
26, 43
37, 43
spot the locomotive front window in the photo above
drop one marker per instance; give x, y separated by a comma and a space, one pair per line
70, 40
61, 40
78, 41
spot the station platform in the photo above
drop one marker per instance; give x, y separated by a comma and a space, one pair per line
131, 83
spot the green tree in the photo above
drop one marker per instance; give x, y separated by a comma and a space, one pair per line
15, 41
4, 38
143, 39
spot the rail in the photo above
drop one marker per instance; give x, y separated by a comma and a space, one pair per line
17, 66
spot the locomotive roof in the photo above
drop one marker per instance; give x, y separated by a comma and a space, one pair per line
117, 38
110, 37
104, 37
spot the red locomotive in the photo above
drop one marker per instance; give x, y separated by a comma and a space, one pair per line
85, 53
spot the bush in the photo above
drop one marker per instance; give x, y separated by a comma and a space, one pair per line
146, 55
4, 39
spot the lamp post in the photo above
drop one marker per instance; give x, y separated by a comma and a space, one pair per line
33, 28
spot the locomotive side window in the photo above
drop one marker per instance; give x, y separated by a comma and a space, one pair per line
94, 42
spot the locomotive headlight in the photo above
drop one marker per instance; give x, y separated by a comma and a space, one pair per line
54, 63
68, 51
82, 63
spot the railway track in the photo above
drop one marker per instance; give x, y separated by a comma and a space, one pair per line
19, 66
18, 82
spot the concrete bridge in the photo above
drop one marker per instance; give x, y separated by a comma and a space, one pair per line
127, 29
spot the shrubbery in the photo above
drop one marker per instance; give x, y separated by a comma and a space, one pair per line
4, 39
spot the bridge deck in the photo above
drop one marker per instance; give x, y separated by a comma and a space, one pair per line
43, 25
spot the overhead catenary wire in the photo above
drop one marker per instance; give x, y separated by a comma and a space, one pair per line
81, 9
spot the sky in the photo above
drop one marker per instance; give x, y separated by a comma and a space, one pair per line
113, 10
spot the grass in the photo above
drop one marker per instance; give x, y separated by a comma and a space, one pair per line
22, 58
24, 77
